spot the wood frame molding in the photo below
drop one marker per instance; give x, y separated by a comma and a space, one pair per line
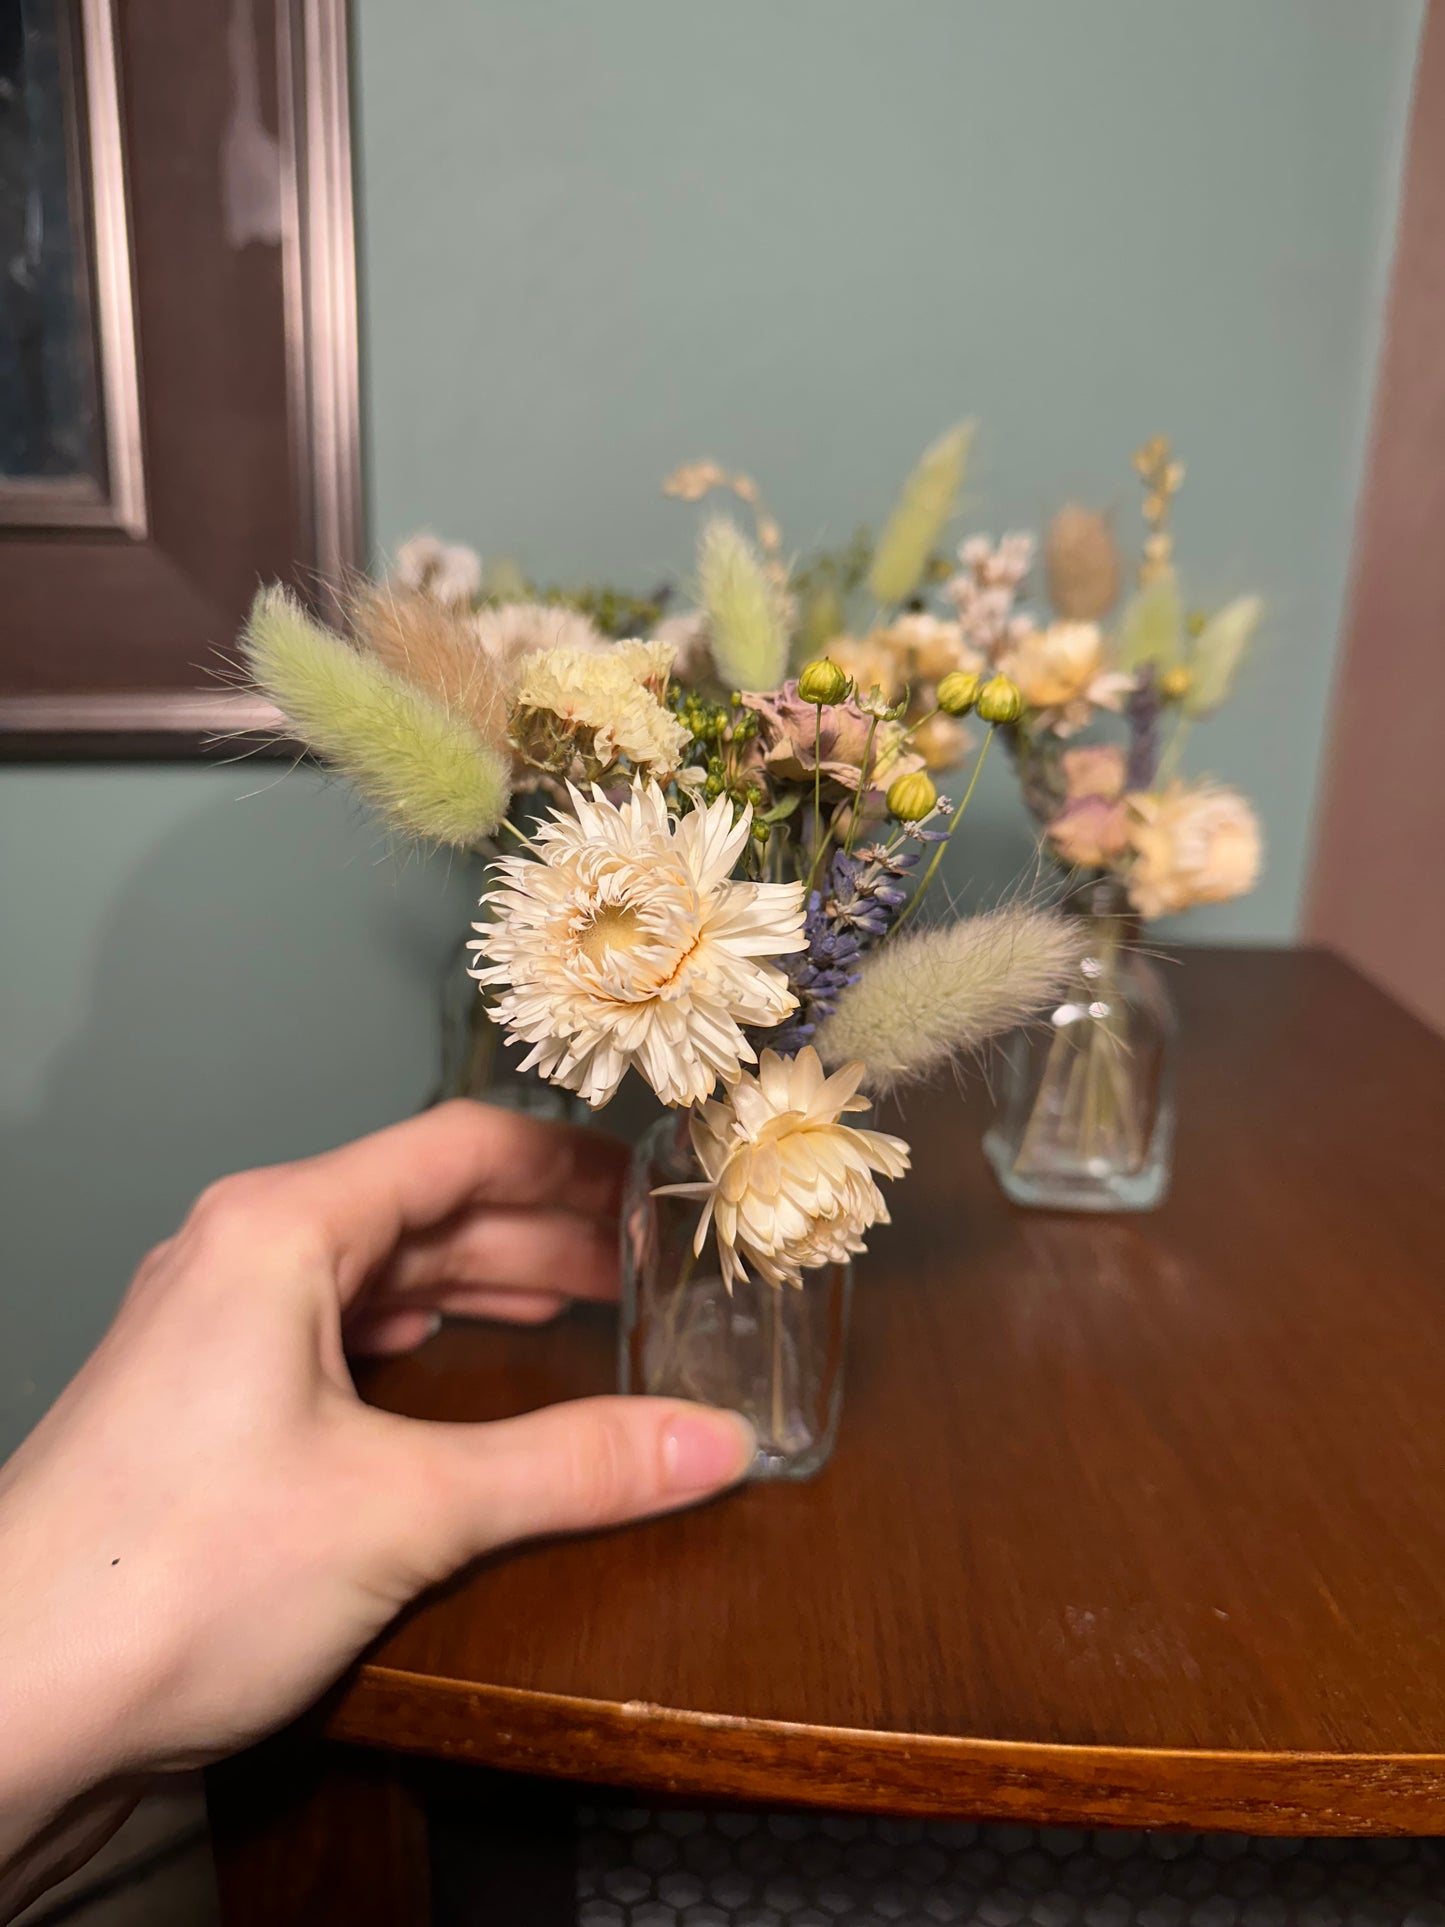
105, 651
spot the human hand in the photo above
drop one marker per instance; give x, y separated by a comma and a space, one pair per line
209, 1524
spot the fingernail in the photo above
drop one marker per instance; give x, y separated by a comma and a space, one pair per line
702, 1450
433, 1326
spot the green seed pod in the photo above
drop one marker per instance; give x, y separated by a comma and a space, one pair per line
911, 798
958, 692
999, 701
822, 681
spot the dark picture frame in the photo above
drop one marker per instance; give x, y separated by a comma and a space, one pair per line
221, 235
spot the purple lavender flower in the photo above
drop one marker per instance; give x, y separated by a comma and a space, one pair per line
855, 908
1142, 711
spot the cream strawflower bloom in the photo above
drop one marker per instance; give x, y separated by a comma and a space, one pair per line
1193, 843
1063, 674
605, 703
932, 648
626, 942
914, 653
870, 662
788, 1186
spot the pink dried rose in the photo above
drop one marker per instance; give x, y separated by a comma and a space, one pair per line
1097, 769
1090, 832
795, 737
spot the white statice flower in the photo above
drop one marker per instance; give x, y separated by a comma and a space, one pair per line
1063, 674
1193, 843
626, 942
607, 702
788, 1186
984, 591
448, 572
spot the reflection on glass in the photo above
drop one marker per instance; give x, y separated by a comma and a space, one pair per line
48, 385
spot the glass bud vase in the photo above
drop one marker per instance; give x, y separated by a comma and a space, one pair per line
474, 1060
1086, 1113
773, 1353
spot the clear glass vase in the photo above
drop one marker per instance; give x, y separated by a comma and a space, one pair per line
773, 1353
475, 1062
1086, 1109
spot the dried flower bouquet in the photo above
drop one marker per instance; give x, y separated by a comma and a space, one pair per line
707, 869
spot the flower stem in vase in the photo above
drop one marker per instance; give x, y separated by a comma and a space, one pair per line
1086, 1116
775, 1319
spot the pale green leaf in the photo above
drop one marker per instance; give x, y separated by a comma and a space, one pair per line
1152, 630
1218, 653
912, 531
746, 609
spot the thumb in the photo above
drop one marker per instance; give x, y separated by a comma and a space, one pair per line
595, 1462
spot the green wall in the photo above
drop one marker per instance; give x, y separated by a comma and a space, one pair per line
599, 239
803, 238
202, 970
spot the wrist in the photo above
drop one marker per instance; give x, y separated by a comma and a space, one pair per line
70, 1678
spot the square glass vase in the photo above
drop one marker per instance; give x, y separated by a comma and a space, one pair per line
773, 1353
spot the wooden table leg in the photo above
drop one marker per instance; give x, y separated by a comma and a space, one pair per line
306, 1835
503, 1850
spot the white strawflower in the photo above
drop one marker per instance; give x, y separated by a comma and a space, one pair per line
417, 557
1193, 843
449, 572
512, 631
626, 942
788, 1187
606, 701
690, 637
456, 580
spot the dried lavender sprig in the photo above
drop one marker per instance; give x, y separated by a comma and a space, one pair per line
1142, 714
857, 904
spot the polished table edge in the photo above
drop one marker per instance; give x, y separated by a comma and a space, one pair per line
718, 1757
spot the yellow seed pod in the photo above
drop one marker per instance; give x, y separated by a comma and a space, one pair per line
958, 692
999, 701
822, 681
910, 798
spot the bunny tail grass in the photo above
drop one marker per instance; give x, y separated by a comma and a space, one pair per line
924, 1001
406, 754
435, 648
919, 517
744, 606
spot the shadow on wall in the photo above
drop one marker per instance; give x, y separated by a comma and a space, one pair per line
260, 981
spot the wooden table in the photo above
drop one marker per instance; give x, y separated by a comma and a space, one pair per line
1132, 1521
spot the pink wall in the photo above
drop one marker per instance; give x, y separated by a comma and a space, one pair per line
1378, 883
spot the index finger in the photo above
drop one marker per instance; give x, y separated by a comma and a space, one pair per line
367, 1196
